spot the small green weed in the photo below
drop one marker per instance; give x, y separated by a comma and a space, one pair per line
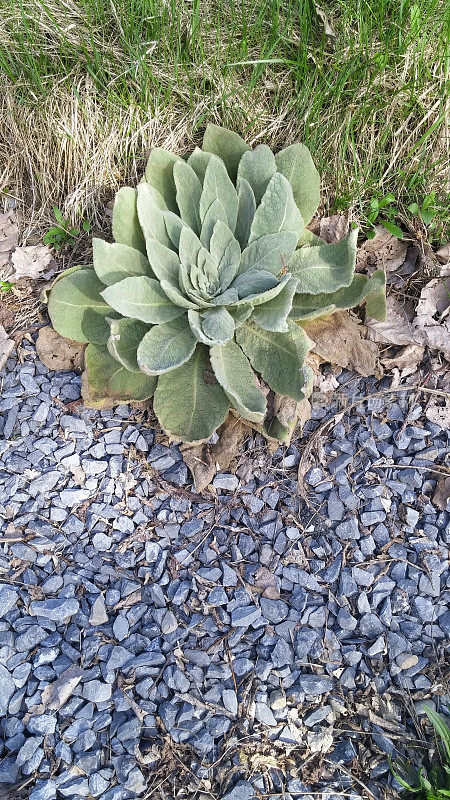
6, 286
430, 781
383, 211
62, 233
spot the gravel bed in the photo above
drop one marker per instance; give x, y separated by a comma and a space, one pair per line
250, 643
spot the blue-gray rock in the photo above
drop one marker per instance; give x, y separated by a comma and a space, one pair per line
57, 609
242, 791
7, 689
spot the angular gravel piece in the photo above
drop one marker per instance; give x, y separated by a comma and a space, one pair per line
245, 623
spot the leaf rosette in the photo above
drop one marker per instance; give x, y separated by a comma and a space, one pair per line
196, 301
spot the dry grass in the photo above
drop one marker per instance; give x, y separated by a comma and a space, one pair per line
89, 87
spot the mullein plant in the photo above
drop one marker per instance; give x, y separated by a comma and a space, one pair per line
199, 301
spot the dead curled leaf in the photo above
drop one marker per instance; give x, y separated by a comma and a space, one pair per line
9, 237
6, 347
432, 321
438, 411
338, 339
31, 261
327, 27
442, 493
334, 228
384, 251
204, 460
398, 328
57, 353
267, 583
443, 254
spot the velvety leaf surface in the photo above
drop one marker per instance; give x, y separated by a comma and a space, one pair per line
199, 160
114, 262
277, 211
257, 167
246, 212
77, 309
126, 227
125, 337
159, 174
277, 357
188, 403
229, 146
189, 190
217, 186
141, 298
296, 164
234, 373
164, 262
166, 346
151, 215
326, 267
270, 253
226, 253
109, 379
311, 306
272, 315
218, 325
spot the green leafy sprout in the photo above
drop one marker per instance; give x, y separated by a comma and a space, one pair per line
5, 286
200, 300
63, 233
430, 782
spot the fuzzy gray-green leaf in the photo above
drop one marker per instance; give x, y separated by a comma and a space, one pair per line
199, 160
270, 253
217, 186
166, 347
125, 337
277, 211
218, 325
226, 253
257, 167
189, 405
126, 227
151, 215
164, 262
311, 306
141, 298
113, 262
159, 174
272, 315
296, 164
229, 146
234, 373
326, 267
278, 357
77, 309
108, 380
246, 212
189, 190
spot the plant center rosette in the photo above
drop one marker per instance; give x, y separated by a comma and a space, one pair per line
199, 301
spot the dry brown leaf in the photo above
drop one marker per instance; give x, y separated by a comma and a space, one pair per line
398, 327
6, 316
9, 237
56, 694
6, 347
57, 353
406, 359
438, 411
338, 340
204, 460
334, 228
443, 254
327, 27
442, 493
432, 321
31, 261
267, 583
384, 251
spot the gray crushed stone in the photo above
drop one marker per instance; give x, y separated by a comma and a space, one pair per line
252, 622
